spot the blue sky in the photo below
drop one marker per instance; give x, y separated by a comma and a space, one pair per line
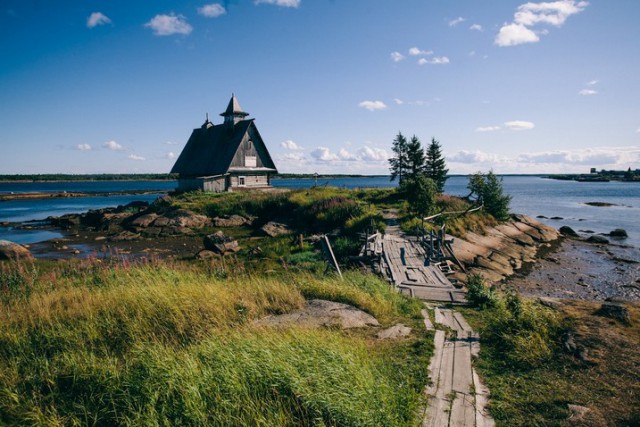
98, 86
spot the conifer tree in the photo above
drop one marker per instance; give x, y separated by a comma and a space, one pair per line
435, 166
398, 163
415, 158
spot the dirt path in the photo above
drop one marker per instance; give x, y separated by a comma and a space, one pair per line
456, 396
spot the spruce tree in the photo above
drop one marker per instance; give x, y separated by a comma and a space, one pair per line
435, 166
495, 201
399, 162
415, 158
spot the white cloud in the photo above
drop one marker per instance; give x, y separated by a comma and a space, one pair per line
476, 27
553, 13
438, 60
170, 143
290, 145
373, 105
488, 128
212, 10
638, 131
134, 157
587, 156
592, 83
519, 125
97, 18
456, 21
112, 145
477, 156
294, 156
282, 3
345, 155
170, 155
323, 154
166, 25
587, 92
531, 14
372, 154
398, 101
414, 51
397, 56
83, 147
515, 34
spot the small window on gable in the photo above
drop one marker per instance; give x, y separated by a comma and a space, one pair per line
249, 144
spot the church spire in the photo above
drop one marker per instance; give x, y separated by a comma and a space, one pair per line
233, 114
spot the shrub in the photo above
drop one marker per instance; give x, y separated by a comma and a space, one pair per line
479, 294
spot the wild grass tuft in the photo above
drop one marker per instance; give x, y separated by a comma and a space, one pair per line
160, 343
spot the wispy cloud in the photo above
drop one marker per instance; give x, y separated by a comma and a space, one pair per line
373, 105
212, 10
530, 14
398, 101
112, 145
438, 60
588, 92
135, 157
397, 56
290, 145
476, 27
170, 155
488, 128
364, 154
97, 18
83, 147
519, 125
167, 25
414, 51
456, 21
281, 3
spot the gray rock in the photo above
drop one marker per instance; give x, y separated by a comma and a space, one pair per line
125, 236
206, 254
275, 229
394, 332
321, 313
145, 220
565, 230
185, 218
577, 412
619, 232
13, 251
232, 221
598, 240
220, 243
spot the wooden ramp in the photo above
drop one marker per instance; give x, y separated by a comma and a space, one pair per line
403, 261
456, 396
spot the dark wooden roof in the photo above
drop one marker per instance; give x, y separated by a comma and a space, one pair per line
212, 150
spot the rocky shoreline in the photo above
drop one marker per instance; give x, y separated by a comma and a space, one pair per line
522, 254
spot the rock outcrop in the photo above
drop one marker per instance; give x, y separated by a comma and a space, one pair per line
503, 249
275, 229
219, 243
13, 251
321, 313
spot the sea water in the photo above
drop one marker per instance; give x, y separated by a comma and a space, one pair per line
532, 195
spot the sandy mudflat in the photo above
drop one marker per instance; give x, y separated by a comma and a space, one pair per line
581, 270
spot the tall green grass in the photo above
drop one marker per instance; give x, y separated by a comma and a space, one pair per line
174, 344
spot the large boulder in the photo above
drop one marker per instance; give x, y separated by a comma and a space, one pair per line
145, 220
187, 218
13, 251
219, 243
619, 233
275, 229
230, 221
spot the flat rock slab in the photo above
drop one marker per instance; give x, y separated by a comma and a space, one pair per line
322, 313
394, 332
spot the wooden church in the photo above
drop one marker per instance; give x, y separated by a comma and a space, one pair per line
227, 157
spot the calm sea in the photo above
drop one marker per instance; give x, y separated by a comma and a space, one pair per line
532, 195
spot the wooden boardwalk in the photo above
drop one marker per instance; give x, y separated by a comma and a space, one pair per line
456, 396
403, 261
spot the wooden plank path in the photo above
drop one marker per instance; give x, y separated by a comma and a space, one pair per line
456, 396
404, 263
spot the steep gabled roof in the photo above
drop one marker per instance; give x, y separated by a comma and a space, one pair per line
210, 151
